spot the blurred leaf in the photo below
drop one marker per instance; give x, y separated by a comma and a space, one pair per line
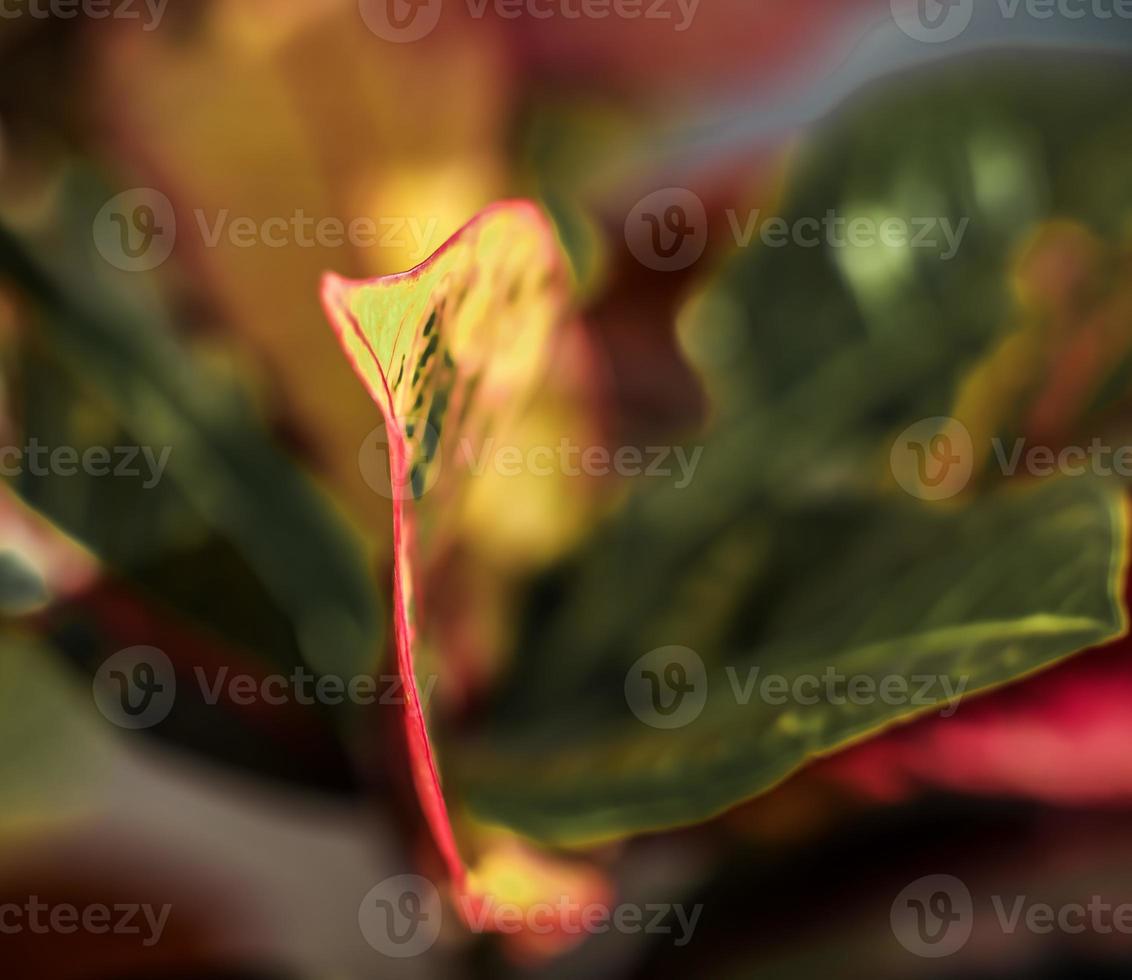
143, 529
85, 612
791, 550
251, 86
1060, 376
55, 748
221, 465
1077, 712
293, 740
21, 587
978, 595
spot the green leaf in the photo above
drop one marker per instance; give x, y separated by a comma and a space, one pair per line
56, 749
791, 551
224, 477
21, 586
979, 595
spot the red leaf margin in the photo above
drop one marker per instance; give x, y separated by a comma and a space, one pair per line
334, 297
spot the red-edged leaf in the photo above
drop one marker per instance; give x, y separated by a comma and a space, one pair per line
451, 351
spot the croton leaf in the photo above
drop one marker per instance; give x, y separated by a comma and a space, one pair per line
95, 363
889, 597
1077, 712
791, 551
450, 351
